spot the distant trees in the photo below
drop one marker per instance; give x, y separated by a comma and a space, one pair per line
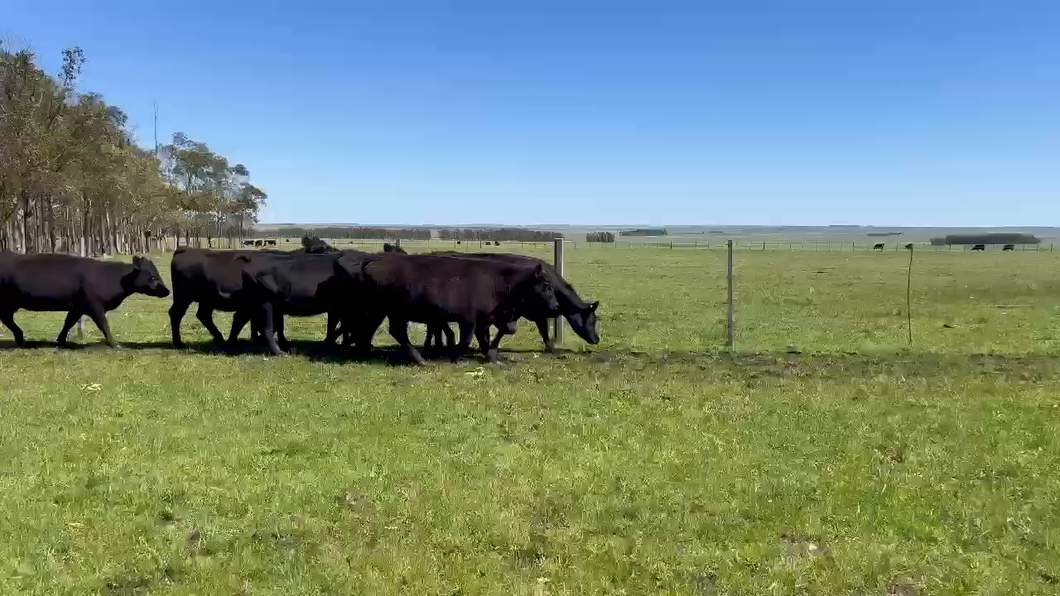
998, 238
644, 232
599, 237
70, 172
508, 234
361, 233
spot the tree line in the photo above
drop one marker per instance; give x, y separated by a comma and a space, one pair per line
508, 234
354, 233
600, 237
994, 238
73, 179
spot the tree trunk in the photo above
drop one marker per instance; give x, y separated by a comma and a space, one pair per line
20, 225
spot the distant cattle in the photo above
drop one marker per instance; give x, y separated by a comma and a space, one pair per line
459, 242
248, 243
1009, 247
581, 315
909, 246
878, 247
270, 243
979, 247
435, 289
395, 248
259, 243
316, 246
496, 243
79, 286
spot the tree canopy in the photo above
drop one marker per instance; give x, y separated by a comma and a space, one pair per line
70, 170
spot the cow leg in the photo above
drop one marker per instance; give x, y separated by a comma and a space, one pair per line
239, 320
176, 314
467, 331
334, 328
542, 328
8, 319
399, 330
205, 316
99, 317
281, 339
71, 320
267, 330
508, 328
362, 333
482, 334
450, 339
431, 330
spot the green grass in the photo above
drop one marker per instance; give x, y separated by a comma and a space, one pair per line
653, 463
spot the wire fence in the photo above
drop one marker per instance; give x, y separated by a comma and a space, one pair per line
718, 245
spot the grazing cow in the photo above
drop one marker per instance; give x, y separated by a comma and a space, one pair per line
299, 286
395, 248
909, 246
979, 247
474, 293
1009, 247
580, 314
209, 278
79, 286
316, 246
878, 247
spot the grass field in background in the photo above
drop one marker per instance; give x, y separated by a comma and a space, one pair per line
653, 463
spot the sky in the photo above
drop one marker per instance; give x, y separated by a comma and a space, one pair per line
901, 112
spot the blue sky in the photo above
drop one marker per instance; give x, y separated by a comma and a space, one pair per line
742, 112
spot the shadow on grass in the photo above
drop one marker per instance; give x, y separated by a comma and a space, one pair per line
1028, 367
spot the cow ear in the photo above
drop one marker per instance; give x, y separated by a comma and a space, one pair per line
539, 271
137, 262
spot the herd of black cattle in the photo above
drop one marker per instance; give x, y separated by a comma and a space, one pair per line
356, 290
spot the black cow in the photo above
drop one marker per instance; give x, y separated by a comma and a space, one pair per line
270, 243
979, 247
878, 247
248, 243
79, 286
396, 248
209, 278
434, 289
259, 243
909, 246
1009, 247
580, 314
300, 286
316, 246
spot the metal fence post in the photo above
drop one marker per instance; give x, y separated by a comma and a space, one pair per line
732, 326
558, 264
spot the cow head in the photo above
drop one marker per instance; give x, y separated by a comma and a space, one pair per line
144, 279
538, 295
583, 322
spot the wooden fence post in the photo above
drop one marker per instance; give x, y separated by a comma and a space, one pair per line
558, 264
732, 326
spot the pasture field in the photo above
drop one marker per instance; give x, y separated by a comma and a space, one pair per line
655, 462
